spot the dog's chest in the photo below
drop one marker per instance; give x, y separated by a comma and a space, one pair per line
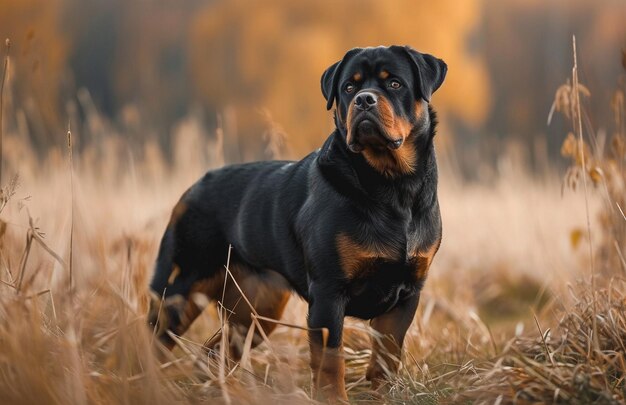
409, 250
380, 285
379, 276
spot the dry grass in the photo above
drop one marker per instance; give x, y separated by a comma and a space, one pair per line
96, 346
502, 319
583, 360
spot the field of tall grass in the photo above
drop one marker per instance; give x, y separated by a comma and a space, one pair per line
524, 303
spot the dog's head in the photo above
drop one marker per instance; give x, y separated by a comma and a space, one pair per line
382, 97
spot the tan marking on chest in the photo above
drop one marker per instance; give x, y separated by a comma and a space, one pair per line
424, 258
393, 162
354, 257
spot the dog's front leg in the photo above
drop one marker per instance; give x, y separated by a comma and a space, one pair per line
325, 321
387, 347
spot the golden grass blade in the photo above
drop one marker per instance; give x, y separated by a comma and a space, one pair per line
7, 44
71, 164
543, 339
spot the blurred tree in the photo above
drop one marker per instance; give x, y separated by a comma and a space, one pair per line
528, 48
147, 65
131, 57
38, 62
270, 55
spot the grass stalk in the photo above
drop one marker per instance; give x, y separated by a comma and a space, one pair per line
579, 131
71, 163
4, 77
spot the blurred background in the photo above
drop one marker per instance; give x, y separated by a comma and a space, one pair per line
156, 92
142, 70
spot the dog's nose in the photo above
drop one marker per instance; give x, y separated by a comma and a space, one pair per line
365, 100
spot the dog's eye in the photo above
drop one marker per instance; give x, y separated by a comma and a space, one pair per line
349, 88
394, 84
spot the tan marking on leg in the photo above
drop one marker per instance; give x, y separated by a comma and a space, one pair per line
198, 299
387, 347
328, 369
187, 307
267, 296
175, 272
386, 350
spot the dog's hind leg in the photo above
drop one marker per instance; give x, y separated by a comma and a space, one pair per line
190, 273
178, 294
266, 292
187, 267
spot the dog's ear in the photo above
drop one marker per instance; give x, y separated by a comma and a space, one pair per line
429, 72
330, 78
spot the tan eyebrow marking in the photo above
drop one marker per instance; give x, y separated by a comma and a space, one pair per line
357, 77
383, 74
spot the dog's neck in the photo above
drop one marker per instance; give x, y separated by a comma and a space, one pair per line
351, 174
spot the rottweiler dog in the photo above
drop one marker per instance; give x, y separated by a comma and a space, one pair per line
352, 228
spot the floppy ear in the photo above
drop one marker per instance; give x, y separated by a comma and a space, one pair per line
429, 72
330, 78
328, 88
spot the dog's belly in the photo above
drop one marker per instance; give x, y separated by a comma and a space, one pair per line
381, 289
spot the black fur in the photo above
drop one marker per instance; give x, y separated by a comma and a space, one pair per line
286, 216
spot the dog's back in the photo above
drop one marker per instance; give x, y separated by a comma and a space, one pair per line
250, 207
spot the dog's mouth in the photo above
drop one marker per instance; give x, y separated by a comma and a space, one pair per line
367, 131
